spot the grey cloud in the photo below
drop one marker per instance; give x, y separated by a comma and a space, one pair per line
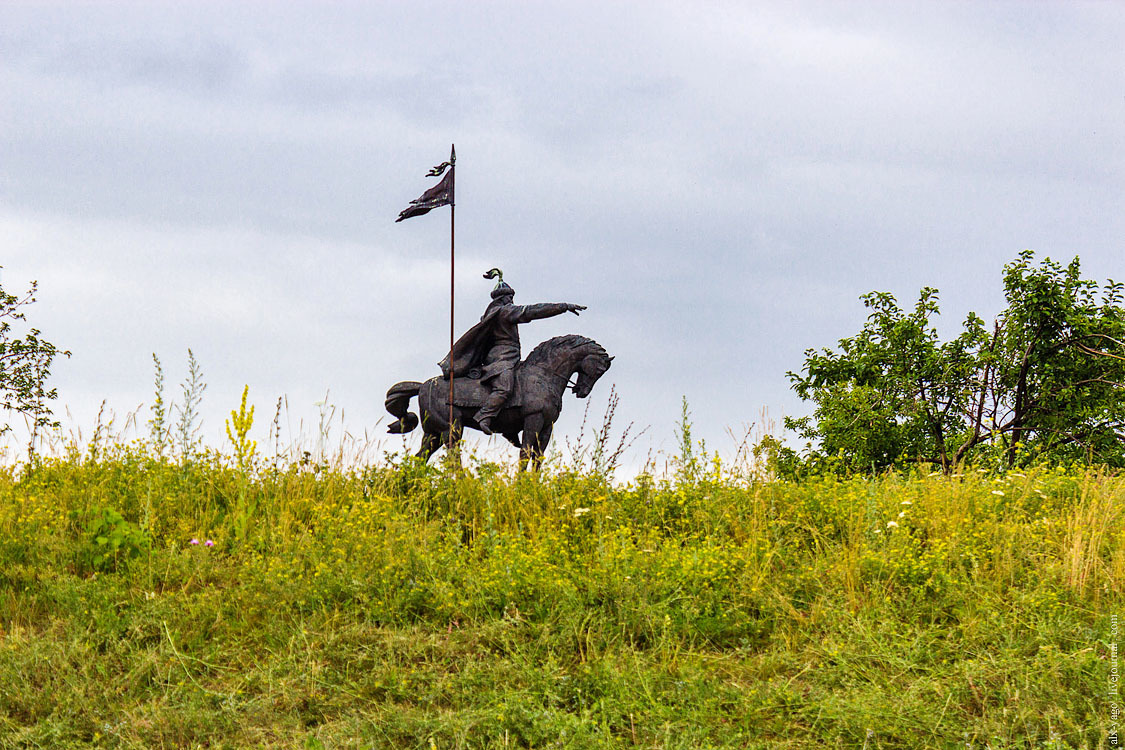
727, 181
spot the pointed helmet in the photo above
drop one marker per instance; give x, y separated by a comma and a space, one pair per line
502, 289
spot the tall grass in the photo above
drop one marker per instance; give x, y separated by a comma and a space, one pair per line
404, 605
320, 598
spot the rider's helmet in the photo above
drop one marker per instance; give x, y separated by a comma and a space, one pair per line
502, 289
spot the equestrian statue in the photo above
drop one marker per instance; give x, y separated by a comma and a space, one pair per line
493, 391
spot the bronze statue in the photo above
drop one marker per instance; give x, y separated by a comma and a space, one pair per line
493, 390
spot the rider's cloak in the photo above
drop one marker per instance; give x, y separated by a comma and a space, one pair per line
470, 351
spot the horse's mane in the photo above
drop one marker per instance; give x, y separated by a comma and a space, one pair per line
542, 353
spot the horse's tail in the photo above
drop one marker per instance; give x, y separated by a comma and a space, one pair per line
398, 403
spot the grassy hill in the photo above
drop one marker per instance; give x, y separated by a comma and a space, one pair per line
153, 603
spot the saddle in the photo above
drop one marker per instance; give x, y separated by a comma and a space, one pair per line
471, 392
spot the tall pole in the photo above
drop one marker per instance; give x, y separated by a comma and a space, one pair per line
452, 265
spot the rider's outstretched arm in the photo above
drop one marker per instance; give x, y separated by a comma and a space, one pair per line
526, 313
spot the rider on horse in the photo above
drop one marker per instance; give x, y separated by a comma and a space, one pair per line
493, 345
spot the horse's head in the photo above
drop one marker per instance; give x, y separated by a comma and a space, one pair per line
592, 367
564, 356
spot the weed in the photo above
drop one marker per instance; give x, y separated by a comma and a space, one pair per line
187, 425
110, 540
238, 427
158, 426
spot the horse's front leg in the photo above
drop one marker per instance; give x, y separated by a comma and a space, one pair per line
532, 426
541, 444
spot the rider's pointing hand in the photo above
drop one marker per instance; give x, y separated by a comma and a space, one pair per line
574, 308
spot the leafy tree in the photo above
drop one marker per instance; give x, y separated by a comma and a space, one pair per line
1060, 383
1047, 382
25, 363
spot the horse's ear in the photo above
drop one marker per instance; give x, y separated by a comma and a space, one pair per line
611, 359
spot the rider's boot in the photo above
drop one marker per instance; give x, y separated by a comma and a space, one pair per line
489, 411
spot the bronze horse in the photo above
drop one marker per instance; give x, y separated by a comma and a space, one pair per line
528, 417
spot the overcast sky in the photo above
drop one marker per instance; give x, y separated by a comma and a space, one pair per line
717, 182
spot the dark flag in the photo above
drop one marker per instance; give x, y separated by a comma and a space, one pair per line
440, 194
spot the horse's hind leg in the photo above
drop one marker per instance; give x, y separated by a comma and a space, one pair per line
430, 443
452, 446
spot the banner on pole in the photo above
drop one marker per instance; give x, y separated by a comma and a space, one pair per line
440, 194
